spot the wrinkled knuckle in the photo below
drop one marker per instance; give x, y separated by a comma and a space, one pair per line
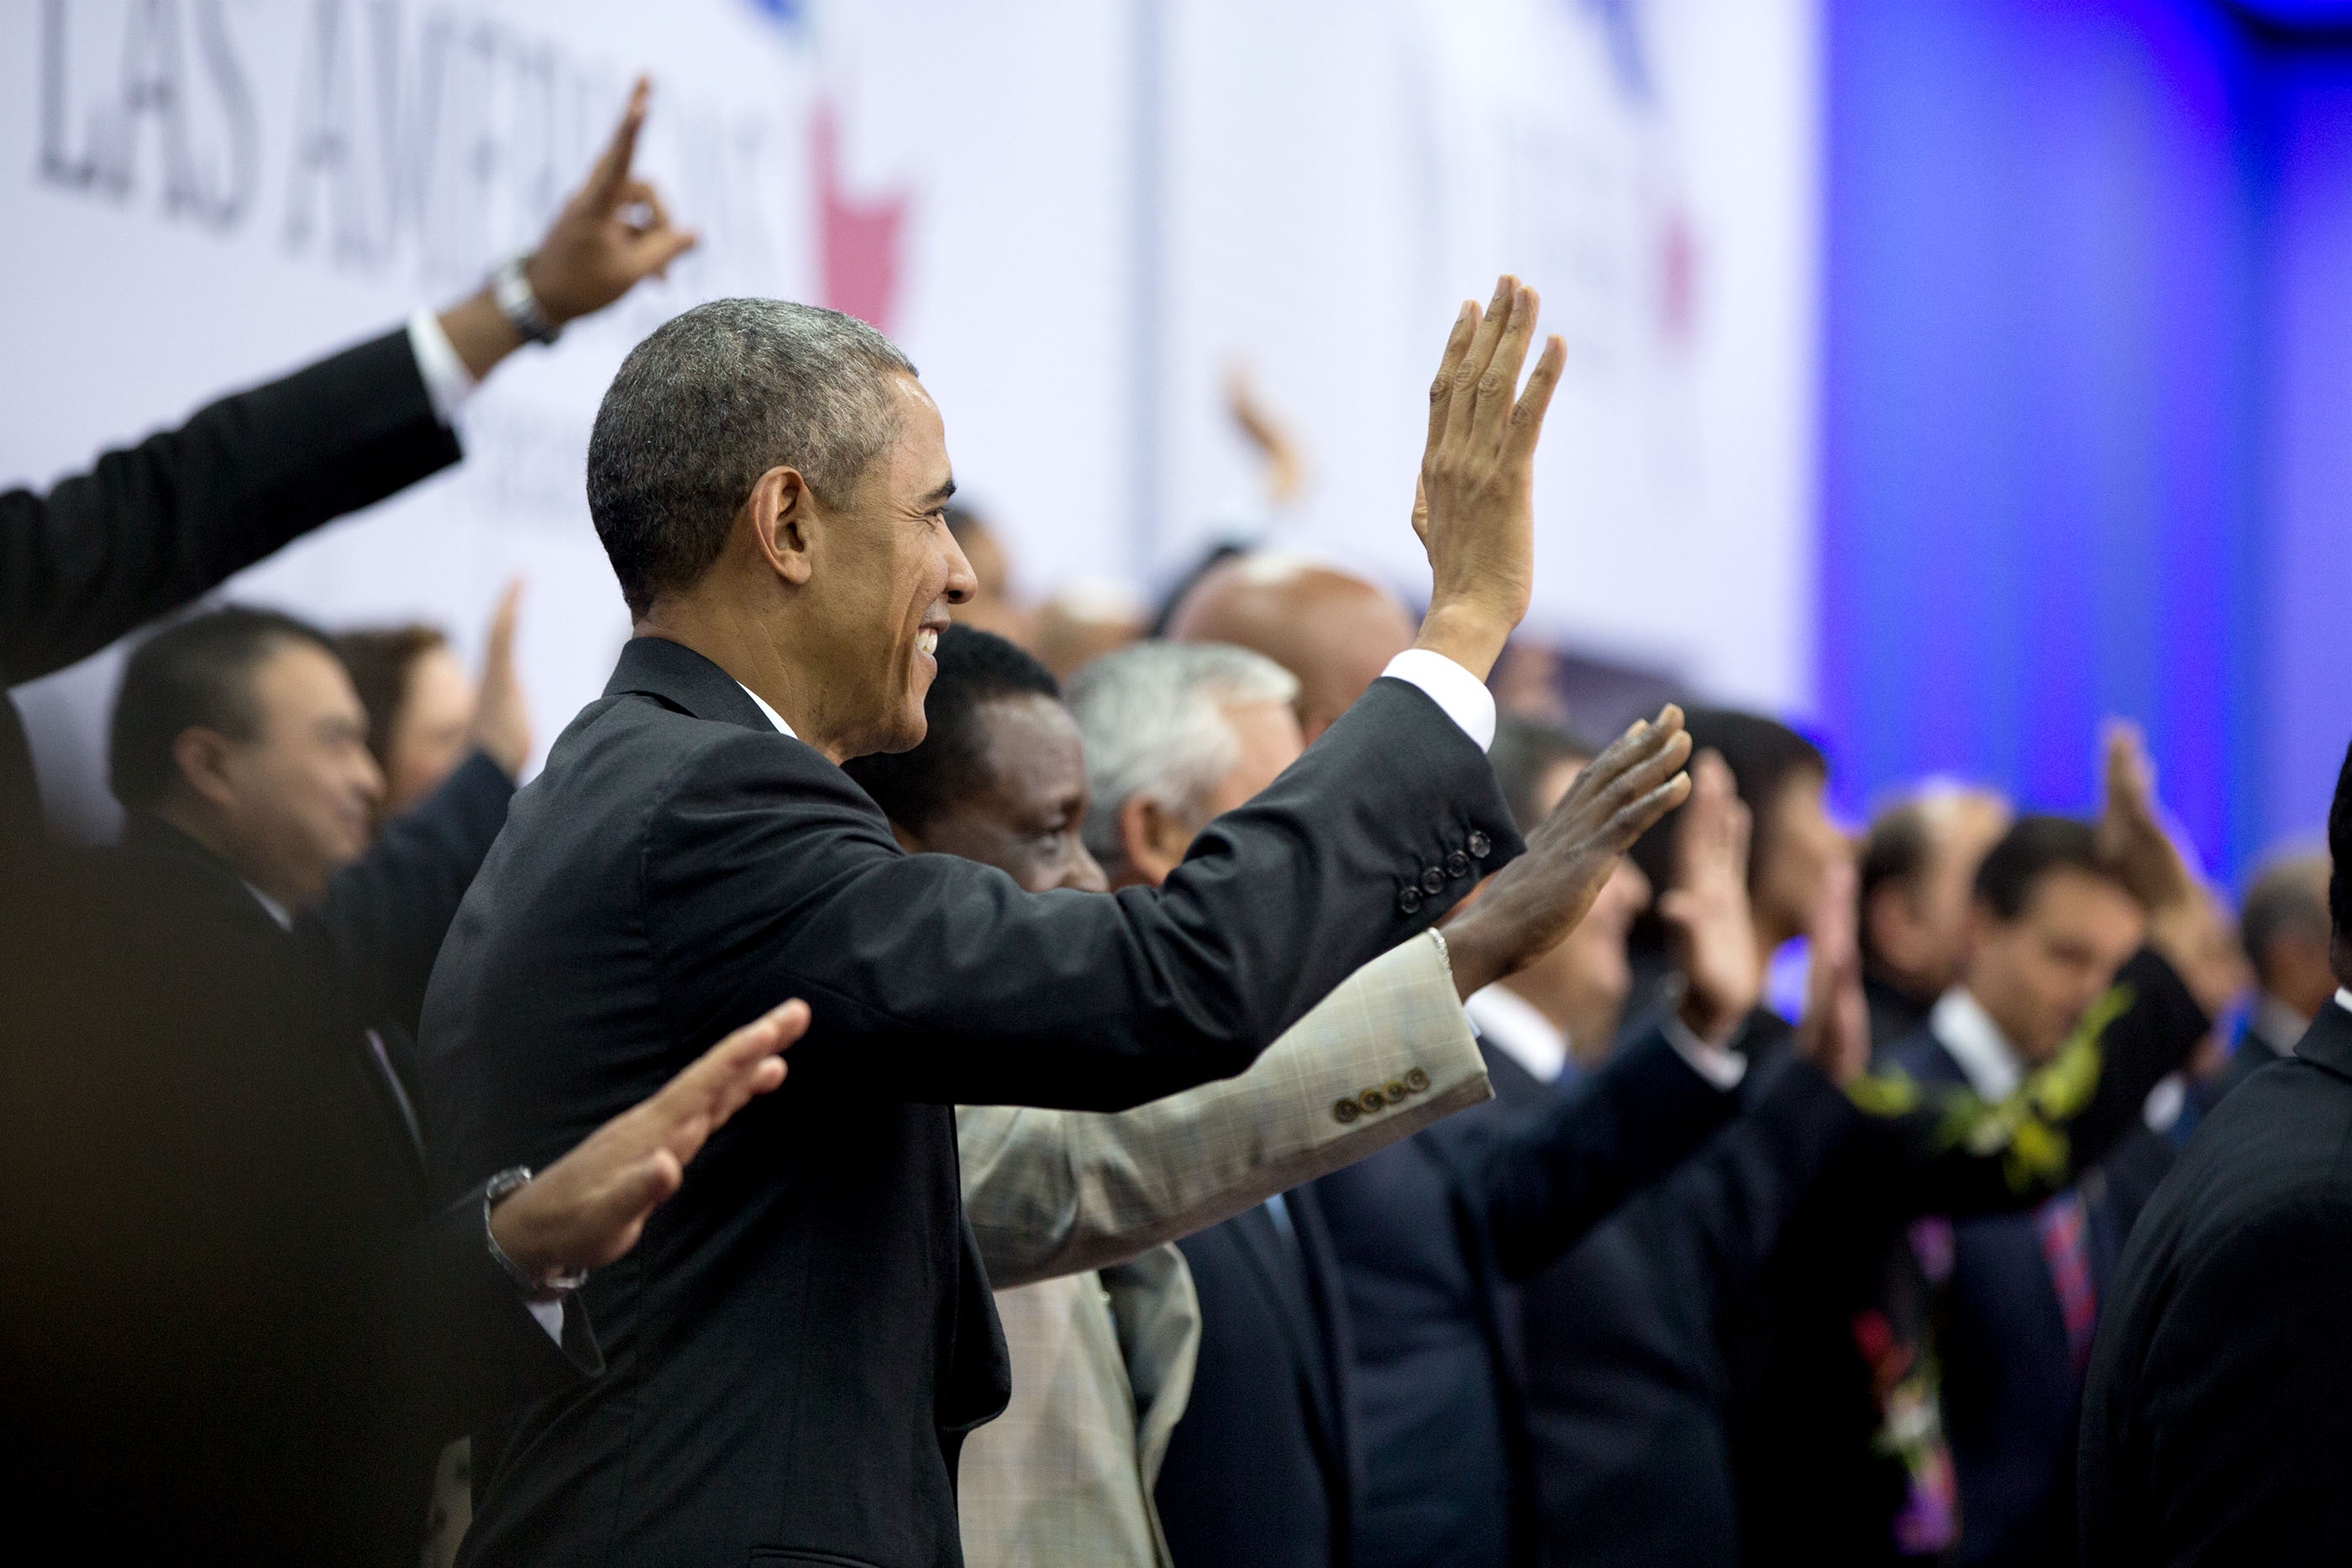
1493, 384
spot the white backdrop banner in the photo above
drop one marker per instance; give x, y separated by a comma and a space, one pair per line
1075, 216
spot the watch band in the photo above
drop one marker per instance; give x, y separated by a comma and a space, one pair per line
551, 1286
519, 302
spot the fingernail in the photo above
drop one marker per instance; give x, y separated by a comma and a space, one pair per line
1463, 314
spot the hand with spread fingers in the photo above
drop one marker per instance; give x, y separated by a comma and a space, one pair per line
1710, 926
589, 1207
1835, 1034
1474, 505
1533, 903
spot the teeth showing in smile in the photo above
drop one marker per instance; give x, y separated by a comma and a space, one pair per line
928, 640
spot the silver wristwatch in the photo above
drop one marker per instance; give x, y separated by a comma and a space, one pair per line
519, 302
537, 1287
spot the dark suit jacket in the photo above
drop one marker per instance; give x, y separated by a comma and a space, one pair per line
2012, 1396
2217, 1421
1261, 1471
1803, 1410
804, 1333
1626, 1384
151, 526
307, 1328
1432, 1236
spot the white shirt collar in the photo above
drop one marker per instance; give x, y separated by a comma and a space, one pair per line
2277, 1025
1990, 1062
773, 717
270, 906
1529, 1038
2344, 998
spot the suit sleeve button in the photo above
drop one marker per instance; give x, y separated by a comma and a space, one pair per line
1432, 881
1416, 1081
1394, 1090
1370, 1100
1409, 900
1457, 864
1346, 1112
1480, 845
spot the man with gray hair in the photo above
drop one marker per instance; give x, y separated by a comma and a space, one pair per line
1177, 733
2284, 927
805, 1334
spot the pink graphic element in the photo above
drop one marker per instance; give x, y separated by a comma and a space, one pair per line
859, 240
1678, 278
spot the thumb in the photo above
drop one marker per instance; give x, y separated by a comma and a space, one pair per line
618, 1215
651, 255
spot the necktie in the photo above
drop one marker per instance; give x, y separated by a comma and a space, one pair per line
2063, 1227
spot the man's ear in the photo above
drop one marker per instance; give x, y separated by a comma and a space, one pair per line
202, 756
782, 515
1151, 837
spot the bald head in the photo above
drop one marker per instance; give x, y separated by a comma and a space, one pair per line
1334, 631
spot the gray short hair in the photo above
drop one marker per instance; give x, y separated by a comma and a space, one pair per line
713, 399
1152, 718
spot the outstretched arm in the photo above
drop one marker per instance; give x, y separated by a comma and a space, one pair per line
151, 526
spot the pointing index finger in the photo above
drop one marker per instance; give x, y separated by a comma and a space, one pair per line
613, 168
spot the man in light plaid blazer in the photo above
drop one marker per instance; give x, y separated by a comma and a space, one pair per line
1076, 1211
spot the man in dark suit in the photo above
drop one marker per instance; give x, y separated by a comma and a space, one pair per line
807, 1333
2217, 1417
2018, 1292
1435, 1237
223, 1303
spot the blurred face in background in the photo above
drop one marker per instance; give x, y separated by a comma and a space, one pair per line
1795, 851
1919, 925
1582, 983
2038, 974
1025, 817
295, 803
431, 731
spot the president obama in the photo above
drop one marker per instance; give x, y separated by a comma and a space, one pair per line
804, 1334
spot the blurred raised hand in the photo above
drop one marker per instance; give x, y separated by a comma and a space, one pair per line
1533, 903
1835, 1033
2187, 926
1710, 928
501, 725
612, 235
1474, 504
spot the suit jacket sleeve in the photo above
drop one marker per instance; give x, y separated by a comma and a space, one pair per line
465, 1343
936, 979
389, 913
1058, 1192
1543, 1177
1723, 1210
1937, 1150
151, 526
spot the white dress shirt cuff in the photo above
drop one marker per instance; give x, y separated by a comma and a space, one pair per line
1463, 695
1717, 1064
448, 383
551, 1316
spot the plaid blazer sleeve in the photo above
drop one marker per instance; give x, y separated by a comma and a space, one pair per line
1058, 1192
